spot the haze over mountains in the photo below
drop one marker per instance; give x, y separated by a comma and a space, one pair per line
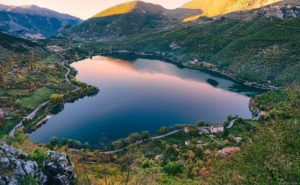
33, 22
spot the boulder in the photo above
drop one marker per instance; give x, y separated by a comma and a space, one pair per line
15, 165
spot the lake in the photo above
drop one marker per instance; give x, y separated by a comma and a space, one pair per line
143, 94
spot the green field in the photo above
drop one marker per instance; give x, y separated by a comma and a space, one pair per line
38, 96
9, 124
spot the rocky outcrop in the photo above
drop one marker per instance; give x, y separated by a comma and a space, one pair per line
58, 169
15, 166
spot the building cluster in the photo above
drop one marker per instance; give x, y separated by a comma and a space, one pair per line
210, 131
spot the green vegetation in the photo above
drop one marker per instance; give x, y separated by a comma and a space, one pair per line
29, 180
36, 98
40, 156
248, 46
269, 153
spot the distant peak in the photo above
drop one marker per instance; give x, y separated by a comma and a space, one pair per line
128, 7
213, 8
118, 9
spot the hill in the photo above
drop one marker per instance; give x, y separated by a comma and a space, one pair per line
257, 46
30, 21
118, 21
10, 45
213, 8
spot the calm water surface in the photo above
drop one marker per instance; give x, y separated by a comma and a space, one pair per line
143, 95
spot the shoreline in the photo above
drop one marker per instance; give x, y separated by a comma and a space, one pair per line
183, 64
44, 119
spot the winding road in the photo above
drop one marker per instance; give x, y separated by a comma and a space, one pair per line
35, 111
142, 141
231, 123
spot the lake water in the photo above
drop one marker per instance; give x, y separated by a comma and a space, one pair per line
143, 94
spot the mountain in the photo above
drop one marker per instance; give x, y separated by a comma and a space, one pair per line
11, 45
129, 18
213, 8
33, 22
257, 46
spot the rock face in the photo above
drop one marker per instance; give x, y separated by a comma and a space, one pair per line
15, 167
58, 169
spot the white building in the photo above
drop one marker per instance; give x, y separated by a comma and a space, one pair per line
187, 143
186, 130
2, 113
217, 128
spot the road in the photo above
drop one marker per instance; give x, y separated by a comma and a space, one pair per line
67, 76
34, 112
139, 142
231, 123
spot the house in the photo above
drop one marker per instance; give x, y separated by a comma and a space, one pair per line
263, 114
2, 113
174, 46
186, 130
159, 157
200, 143
237, 139
217, 128
187, 143
228, 151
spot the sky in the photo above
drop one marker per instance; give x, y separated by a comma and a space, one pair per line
85, 8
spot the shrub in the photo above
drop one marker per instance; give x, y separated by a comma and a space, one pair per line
173, 168
29, 180
53, 141
40, 156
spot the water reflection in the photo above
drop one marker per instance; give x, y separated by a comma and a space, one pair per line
142, 95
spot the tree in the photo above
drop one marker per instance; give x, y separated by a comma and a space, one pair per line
191, 154
145, 135
56, 99
199, 152
53, 141
163, 130
64, 141
119, 143
200, 123
86, 145
132, 138
173, 168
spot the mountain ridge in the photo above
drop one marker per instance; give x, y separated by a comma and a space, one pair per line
30, 21
212, 8
117, 20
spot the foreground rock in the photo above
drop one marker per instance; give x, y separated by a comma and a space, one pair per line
16, 168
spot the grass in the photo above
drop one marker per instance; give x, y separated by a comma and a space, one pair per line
9, 124
39, 96
17, 92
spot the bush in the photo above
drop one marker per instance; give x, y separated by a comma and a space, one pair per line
146, 164
132, 138
200, 123
53, 141
40, 156
173, 168
29, 180
163, 130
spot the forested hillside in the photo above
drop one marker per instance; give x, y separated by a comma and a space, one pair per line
258, 46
